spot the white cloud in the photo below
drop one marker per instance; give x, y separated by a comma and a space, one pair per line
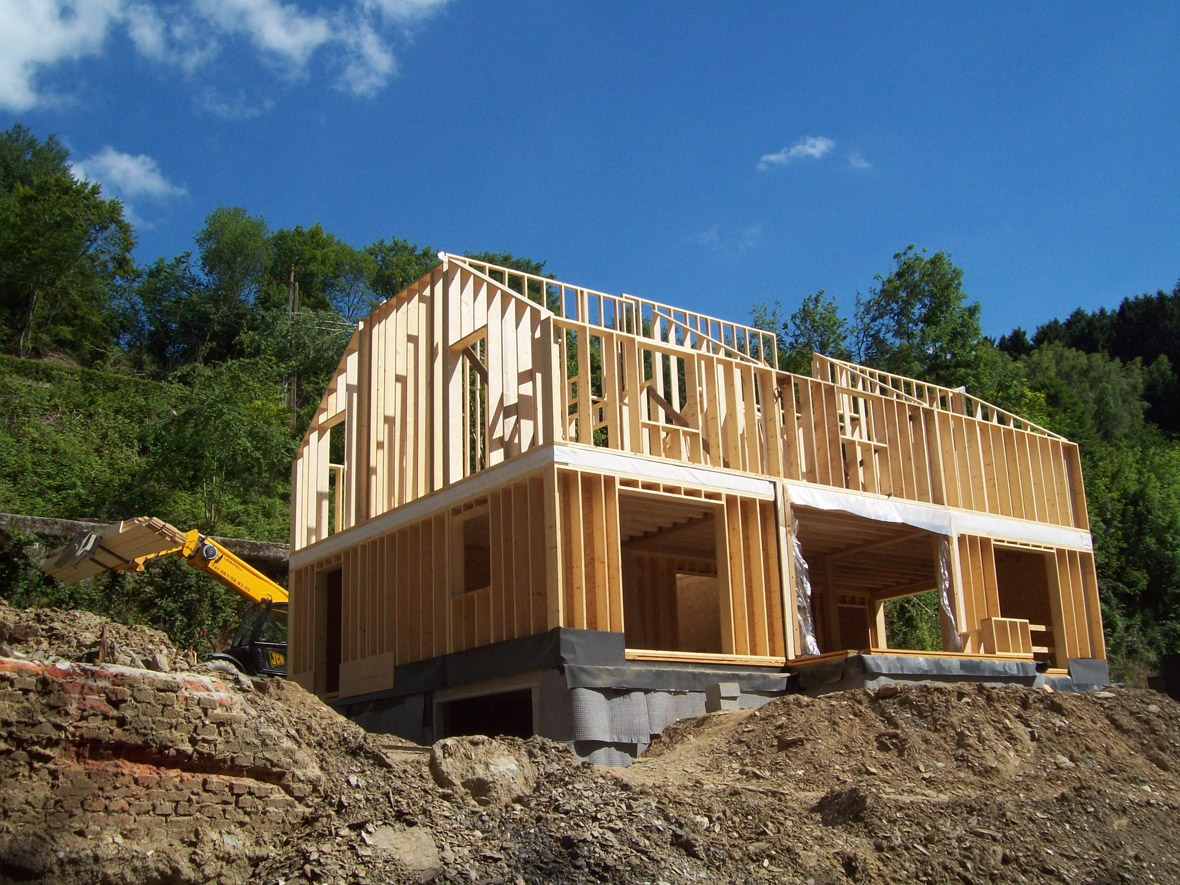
405, 10
132, 178
233, 107
368, 64
750, 238
279, 30
812, 147
147, 31
728, 244
127, 176
38, 33
706, 237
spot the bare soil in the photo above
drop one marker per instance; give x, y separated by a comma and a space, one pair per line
118, 774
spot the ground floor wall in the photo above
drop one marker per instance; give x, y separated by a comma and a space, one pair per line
683, 571
685, 565
996, 587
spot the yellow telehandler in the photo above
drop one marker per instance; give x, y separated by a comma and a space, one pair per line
259, 647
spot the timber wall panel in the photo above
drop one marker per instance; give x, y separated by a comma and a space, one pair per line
1077, 619
670, 392
461, 372
401, 594
387, 390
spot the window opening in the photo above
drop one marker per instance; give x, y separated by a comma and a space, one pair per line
476, 565
506, 713
671, 590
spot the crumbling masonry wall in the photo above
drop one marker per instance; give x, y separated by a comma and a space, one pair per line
112, 760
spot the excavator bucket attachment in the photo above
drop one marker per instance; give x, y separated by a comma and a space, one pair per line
115, 547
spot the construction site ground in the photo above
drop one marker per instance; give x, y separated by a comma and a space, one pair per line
125, 761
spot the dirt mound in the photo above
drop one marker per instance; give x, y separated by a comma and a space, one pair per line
117, 774
49, 634
933, 783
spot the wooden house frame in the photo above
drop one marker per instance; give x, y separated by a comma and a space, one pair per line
506, 468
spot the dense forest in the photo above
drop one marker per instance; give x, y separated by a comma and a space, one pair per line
180, 388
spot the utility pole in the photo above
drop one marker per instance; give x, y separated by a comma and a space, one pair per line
293, 304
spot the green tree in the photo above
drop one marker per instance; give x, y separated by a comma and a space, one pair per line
398, 263
235, 254
225, 453
815, 327
331, 274
307, 346
1090, 397
1016, 343
918, 322
63, 248
171, 320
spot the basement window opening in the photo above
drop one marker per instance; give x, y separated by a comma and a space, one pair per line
507, 713
912, 622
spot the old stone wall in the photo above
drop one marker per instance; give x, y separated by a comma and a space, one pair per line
116, 760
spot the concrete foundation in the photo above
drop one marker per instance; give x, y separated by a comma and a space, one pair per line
873, 670
577, 686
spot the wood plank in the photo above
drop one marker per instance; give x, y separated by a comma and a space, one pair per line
771, 425
1043, 477
496, 569
1012, 444
756, 574
402, 593
791, 428
1093, 608
423, 425
413, 592
614, 567
519, 539
529, 527
1078, 591
575, 551
1063, 641
585, 419
738, 579
708, 403
1061, 483
556, 552
750, 436
597, 582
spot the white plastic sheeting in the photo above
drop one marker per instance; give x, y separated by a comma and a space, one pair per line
951, 640
940, 520
803, 596
669, 471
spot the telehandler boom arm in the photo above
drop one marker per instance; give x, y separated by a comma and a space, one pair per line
131, 543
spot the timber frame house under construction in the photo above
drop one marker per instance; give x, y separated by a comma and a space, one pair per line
528, 507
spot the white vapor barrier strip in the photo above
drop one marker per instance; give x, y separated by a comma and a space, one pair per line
1020, 530
951, 640
613, 462
936, 519
932, 519
803, 595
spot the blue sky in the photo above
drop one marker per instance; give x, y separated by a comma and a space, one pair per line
707, 155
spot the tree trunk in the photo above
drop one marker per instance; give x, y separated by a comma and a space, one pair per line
26, 335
